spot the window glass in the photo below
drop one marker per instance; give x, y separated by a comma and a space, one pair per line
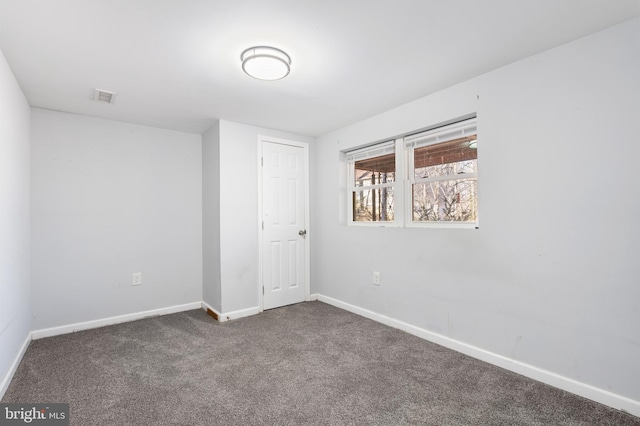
373, 176
375, 170
373, 205
445, 200
447, 158
445, 181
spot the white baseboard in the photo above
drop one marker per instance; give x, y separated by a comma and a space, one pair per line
65, 329
239, 314
570, 385
313, 297
227, 316
12, 370
206, 306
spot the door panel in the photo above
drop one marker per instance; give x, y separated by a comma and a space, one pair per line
283, 270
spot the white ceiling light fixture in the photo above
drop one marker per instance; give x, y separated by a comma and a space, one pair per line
265, 63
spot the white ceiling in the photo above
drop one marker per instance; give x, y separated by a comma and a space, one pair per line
176, 63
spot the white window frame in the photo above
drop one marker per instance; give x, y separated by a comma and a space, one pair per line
432, 137
404, 174
372, 151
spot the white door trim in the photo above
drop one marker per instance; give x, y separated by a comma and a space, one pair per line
307, 245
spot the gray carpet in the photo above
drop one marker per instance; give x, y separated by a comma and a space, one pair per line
306, 364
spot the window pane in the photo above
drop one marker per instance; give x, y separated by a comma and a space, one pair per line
469, 166
373, 171
447, 158
447, 200
373, 205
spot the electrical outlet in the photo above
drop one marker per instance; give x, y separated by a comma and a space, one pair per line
136, 278
376, 278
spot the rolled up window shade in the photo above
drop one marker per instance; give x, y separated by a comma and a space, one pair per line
450, 132
378, 150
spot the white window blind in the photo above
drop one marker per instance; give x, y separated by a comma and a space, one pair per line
373, 151
442, 134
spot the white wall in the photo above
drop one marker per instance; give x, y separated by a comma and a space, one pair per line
15, 307
109, 199
551, 277
239, 212
211, 279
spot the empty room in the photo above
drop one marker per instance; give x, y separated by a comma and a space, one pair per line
293, 212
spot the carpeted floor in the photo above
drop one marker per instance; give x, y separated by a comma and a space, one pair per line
306, 364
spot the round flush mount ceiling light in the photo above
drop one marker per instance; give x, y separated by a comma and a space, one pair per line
265, 63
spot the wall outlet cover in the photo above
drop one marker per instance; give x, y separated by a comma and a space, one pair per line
376, 278
136, 278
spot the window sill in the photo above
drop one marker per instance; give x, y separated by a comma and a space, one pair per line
442, 225
374, 224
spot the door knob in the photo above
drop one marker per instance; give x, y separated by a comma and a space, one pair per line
302, 233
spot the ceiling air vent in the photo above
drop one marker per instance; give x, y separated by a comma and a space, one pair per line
104, 96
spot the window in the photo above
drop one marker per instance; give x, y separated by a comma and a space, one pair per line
372, 180
429, 179
443, 174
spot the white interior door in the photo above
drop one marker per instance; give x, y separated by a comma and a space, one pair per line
284, 227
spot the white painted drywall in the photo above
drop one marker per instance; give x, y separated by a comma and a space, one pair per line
15, 305
110, 199
211, 284
239, 212
551, 277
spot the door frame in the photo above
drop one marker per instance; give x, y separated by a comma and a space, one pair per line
307, 246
